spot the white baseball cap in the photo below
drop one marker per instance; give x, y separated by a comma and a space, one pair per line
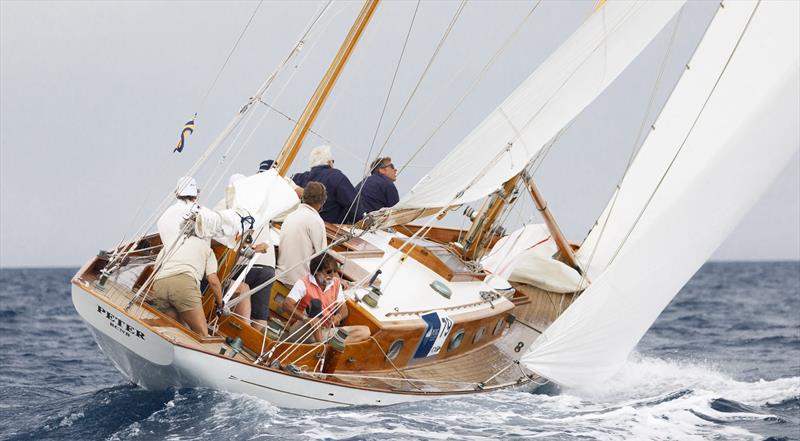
187, 186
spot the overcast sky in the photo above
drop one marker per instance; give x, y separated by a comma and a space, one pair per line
94, 94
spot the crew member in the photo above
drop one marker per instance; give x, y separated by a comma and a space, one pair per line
302, 235
339, 207
324, 273
377, 190
183, 261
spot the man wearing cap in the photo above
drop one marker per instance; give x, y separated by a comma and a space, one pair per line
183, 261
377, 190
339, 207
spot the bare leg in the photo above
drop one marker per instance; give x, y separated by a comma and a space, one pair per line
243, 308
196, 320
261, 325
172, 313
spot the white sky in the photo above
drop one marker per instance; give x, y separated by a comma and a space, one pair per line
94, 94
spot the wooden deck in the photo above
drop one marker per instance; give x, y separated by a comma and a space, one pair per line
488, 367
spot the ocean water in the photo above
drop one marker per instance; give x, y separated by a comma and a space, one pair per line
722, 362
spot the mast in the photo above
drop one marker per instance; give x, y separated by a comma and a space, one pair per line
483, 222
564, 248
306, 120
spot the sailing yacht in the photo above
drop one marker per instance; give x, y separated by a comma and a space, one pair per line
461, 311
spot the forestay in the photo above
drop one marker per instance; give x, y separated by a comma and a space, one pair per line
568, 81
727, 131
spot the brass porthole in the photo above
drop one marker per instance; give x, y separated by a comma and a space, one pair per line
455, 342
498, 328
394, 349
478, 335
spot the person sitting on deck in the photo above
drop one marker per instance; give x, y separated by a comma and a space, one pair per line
183, 260
339, 207
302, 235
377, 190
332, 309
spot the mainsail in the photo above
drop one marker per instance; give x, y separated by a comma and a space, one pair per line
728, 129
568, 81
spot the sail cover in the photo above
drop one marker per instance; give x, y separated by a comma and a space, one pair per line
742, 99
568, 81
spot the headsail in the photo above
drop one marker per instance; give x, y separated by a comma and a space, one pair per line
688, 187
568, 81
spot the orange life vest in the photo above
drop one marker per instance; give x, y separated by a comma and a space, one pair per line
328, 297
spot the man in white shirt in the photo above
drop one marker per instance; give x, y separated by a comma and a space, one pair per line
183, 260
302, 235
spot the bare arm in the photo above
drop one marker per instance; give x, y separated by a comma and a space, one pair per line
216, 287
341, 314
289, 305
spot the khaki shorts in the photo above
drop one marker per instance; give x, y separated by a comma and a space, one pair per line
180, 291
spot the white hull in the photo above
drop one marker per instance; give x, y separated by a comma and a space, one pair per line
153, 362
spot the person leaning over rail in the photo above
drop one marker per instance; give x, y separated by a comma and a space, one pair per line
338, 208
302, 235
332, 308
182, 262
377, 190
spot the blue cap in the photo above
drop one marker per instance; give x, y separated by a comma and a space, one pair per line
265, 165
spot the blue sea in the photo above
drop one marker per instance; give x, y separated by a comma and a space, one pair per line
722, 362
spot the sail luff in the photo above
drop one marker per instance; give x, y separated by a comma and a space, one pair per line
568, 81
747, 73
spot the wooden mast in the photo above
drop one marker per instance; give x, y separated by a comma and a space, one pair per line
564, 248
295, 140
483, 223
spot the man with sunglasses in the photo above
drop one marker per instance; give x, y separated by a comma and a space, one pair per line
377, 190
323, 287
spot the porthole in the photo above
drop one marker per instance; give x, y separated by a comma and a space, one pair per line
498, 328
394, 349
478, 335
455, 342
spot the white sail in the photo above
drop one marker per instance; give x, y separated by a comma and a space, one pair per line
568, 81
724, 159
264, 196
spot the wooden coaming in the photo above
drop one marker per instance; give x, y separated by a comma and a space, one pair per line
437, 258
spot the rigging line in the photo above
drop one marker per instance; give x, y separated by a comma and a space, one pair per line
472, 87
391, 88
651, 102
366, 170
305, 335
688, 134
637, 144
637, 149
232, 125
433, 57
627, 16
233, 49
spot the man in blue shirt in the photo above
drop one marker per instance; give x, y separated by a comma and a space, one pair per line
339, 208
377, 190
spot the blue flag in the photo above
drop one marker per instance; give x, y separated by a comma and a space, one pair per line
188, 129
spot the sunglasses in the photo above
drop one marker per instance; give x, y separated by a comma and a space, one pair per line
389, 165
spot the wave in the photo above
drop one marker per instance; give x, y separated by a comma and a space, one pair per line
652, 398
